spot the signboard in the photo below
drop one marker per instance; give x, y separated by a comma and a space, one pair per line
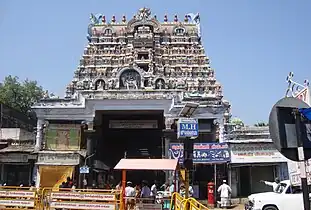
255, 153
17, 194
68, 159
19, 203
84, 170
187, 128
83, 196
176, 151
211, 153
63, 137
77, 205
133, 124
202, 152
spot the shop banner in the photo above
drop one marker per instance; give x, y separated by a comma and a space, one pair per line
202, 152
255, 153
211, 153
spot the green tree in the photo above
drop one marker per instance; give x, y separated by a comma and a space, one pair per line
20, 95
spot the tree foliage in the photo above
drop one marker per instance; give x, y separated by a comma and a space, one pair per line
20, 95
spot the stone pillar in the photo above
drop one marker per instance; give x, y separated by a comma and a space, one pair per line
39, 136
89, 135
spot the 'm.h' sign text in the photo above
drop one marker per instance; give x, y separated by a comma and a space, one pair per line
187, 128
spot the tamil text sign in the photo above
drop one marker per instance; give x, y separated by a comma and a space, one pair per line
202, 152
211, 153
83, 196
255, 153
76, 205
187, 128
176, 151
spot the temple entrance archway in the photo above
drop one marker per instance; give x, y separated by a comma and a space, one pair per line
130, 134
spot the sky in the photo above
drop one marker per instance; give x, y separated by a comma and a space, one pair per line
252, 45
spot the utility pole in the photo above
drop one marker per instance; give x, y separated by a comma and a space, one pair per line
302, 163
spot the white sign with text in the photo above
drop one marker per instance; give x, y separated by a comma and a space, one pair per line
255, 153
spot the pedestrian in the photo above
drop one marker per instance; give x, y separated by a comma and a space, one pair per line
172, 187
225, 193
69, 182
275, 185
130, 195
154, 191
145, 191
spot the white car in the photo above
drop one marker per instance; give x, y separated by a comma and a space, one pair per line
286, 197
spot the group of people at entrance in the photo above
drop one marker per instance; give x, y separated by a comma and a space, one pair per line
146, 194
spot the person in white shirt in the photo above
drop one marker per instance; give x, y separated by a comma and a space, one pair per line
190, 191
129, 190
275, 185
154, 190
130, 195
225, 191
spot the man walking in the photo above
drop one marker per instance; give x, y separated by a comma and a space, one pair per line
225, 192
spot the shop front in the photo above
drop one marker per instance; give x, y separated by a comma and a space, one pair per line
210, 164
252, 162
16, 168
53, 168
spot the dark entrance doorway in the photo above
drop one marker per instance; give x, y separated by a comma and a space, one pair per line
130, 134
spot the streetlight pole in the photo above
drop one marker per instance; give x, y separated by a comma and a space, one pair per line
85, 161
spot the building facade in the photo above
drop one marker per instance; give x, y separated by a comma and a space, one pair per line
17, 143
136, 65
254, 158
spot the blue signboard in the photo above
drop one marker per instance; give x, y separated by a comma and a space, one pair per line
84, 170
202, 152
211, 153
187, 128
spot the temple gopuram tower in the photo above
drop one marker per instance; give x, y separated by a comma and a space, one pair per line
141, 64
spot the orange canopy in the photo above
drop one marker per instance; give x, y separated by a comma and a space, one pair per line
147, 164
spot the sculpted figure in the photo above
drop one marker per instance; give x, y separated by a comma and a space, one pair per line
130, 79
100, 85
